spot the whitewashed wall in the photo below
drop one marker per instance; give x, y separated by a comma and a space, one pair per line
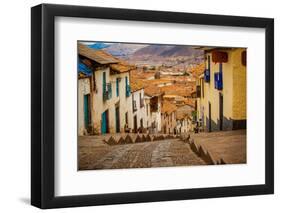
83, 89
99, 106
141, 111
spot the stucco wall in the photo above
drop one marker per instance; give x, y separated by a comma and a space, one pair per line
99, 105
239, 87
233, 92
153, 116
141, 111
83, 89
183, 126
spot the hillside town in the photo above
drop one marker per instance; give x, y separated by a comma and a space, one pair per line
124, 101
117, 97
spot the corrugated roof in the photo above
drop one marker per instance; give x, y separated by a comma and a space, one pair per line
99, 56
82, 68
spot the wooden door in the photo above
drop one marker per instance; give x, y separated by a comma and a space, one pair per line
86, 111
135, 124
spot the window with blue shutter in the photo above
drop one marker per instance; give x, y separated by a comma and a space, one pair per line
128, 89
207, 72
218, 78
117, 87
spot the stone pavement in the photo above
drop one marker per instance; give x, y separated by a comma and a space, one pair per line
94, 153
227, 147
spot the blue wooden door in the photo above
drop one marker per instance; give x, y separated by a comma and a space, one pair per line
86, 111
104, 122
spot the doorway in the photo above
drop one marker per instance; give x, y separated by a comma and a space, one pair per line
87, 117
135, 124
104, 122
117, 119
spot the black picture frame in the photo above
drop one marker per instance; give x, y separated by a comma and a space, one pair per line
43, 102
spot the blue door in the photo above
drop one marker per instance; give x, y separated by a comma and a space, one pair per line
104, 122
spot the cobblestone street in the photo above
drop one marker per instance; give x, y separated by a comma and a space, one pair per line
95, 154
225, 147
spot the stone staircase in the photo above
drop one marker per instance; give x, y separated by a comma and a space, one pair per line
200, 151
130, 138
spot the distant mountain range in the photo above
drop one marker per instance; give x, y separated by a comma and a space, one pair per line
123, 50
146, 51
167, 51
154, 50
117, 49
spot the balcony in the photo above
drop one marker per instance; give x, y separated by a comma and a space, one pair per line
207, 74
218, 81
107, 92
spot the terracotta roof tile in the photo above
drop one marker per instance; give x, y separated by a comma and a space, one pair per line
190, 102
152, 91
184, 111
198, 70
180, 90
168, 107
137, 84
160, 81
120, 68
142, 75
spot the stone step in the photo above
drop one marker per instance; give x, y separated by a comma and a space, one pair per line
148, 138
136, 138
118, 139
128, 139
111, 141
144, 138
202, 153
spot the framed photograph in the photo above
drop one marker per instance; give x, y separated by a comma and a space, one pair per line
136, 106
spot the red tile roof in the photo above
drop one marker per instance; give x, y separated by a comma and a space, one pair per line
120, 68
137, 84
176, 89
152, 91
168, 107
198, 70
